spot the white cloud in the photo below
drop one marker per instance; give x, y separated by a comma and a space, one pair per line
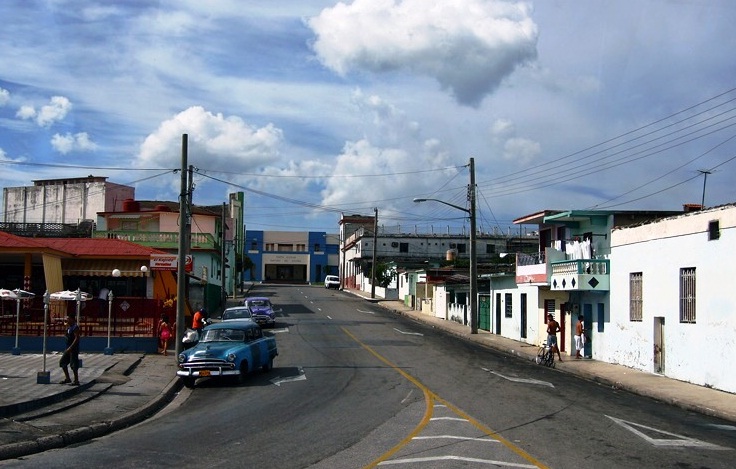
468, 46
72, 142
520, 150
55, 111
4, 97
215, 141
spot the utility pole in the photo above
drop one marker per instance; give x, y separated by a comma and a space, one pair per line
473, 254
223, 262
182, 257
375, 241
705, 174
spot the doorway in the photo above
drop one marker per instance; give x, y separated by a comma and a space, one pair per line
659, 344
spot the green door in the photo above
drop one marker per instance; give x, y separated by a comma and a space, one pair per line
484, 312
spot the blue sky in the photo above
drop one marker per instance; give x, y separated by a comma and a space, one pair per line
316, 108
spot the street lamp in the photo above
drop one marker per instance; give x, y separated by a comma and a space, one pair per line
473, 258
108, 349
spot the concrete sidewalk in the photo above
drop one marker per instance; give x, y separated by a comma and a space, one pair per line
700, 399
142, 385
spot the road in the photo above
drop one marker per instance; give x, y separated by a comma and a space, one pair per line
356, 386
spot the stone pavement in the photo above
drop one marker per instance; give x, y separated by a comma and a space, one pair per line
143, 384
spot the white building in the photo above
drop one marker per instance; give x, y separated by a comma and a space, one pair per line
673, 301
69, 200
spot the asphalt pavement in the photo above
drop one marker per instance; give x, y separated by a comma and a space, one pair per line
120, 390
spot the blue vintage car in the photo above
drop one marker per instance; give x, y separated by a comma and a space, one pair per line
228, 348
261, 310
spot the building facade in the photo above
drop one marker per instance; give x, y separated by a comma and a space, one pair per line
291, 256
64, 201
672, 299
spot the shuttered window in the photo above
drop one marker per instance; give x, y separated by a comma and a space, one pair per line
635, 297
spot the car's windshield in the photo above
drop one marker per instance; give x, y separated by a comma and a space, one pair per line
223, 335
240, 313
258, 303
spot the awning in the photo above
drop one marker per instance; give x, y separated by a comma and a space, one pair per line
103, 267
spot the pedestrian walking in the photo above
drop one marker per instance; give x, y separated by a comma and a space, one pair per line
70, 357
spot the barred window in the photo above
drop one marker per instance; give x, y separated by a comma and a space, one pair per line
687, 295
509, 310
635, 297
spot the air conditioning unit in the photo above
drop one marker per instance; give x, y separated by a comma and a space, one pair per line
394, 244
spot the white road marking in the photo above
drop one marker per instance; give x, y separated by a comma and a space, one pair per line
278, 380
279, 330
721, 427
329, 317
366, 312
455, 458
456, 419
408, 333
520, 380
675, 440
453, 437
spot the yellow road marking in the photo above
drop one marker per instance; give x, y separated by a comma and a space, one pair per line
430, 398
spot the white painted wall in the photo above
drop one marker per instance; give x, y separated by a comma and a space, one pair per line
695, 353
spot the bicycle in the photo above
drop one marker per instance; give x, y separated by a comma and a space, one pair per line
545, 356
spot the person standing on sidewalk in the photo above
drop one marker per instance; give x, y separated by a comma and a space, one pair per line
553, 327
579, 341
70, 357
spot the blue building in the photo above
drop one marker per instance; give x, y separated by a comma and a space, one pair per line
291, 256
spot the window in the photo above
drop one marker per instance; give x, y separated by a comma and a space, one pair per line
461, 248
509, 311
490, 248
714, 230
403, 247
549, 308
129, 225
269, 246
317, 247
635, 297
687, 295
301, 247
254, 246
286, 247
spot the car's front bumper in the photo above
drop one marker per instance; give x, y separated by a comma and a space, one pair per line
206, 373
267, 320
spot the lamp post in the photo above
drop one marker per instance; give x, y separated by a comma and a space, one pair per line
108, 349
44, 376
473, 254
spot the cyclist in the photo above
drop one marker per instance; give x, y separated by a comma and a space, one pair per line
553, 327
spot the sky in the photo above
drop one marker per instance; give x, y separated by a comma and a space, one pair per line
317, 108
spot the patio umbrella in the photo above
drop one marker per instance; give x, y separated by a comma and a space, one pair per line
69, 295
6, 294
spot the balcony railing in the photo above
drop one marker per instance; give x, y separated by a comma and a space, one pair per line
580, 274
161, 240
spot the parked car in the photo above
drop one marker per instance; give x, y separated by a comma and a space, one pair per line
261, 310
236, 312
227, 348
332, 281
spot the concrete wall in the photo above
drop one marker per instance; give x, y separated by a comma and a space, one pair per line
696, 352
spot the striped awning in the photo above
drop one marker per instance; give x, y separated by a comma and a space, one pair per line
103, 267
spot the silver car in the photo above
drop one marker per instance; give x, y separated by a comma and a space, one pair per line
237, 312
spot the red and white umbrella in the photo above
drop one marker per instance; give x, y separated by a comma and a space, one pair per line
6, 294
69, 295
